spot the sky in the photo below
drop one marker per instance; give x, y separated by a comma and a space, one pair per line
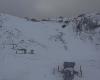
48, 8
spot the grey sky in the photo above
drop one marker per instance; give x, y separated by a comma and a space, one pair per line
48, 8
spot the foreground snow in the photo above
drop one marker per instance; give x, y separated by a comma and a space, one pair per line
52, 46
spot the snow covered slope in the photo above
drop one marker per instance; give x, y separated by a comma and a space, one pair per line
51, 45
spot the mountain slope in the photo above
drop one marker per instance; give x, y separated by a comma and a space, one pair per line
52, 45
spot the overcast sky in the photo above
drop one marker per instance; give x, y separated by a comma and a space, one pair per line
48, 8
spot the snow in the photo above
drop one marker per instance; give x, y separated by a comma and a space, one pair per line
52, 46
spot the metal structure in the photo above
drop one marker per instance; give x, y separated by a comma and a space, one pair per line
68, 71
